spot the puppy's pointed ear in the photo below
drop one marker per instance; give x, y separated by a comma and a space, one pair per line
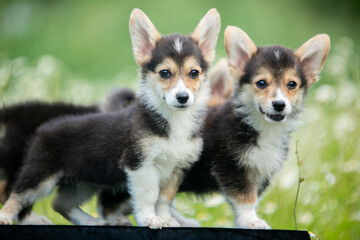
143, 36
220, 80
206, 34
239, 48
312, 56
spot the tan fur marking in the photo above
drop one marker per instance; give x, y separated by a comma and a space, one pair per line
264, 95
288, 76
179, 73
248, 198
191, 64
3, 195
168, 64
171, 188
269, 93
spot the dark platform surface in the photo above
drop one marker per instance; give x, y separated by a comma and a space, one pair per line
110, 232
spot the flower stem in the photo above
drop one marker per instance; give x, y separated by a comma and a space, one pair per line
299, 182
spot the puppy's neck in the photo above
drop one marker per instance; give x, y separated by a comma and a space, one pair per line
181, 123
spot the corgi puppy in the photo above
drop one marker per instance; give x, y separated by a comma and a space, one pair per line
246, 138
144, 148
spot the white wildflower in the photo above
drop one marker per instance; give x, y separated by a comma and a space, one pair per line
214, 201
269, 208
330, 178
325, 93
306, 218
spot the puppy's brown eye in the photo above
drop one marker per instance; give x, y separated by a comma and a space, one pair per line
165, 74
261, 84
291, 85
194, 74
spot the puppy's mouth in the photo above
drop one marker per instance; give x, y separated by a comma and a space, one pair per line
273, 117
180, 107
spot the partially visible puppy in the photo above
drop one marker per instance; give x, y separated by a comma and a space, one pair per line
246, 139
118, 99
18, 123
222, 84
145, 147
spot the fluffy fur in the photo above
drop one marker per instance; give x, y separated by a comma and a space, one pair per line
246, 138
145, 147
18, 123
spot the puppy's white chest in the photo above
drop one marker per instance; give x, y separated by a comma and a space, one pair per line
269, 154
166, 154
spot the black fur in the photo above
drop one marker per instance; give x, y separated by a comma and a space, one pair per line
92, 148
265, 57
165, 48
227, 136
19, 123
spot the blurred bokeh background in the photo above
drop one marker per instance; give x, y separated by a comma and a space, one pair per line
77, 51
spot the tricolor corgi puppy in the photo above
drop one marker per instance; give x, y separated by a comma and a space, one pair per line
144, 148
246, 139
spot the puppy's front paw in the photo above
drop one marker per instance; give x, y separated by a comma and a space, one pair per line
253, 224
4, 220
152, 222
172, 222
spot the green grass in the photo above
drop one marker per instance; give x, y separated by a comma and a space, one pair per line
77, 51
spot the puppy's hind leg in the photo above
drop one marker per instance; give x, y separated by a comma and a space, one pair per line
25, 193
114, 207
67, 202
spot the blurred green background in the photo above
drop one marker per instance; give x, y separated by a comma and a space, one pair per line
77, 51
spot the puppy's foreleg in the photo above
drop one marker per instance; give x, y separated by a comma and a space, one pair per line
167, 195
144, 190
244, 207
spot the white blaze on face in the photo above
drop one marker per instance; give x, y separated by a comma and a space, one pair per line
281, 97
277, 54
180, 87
178, 45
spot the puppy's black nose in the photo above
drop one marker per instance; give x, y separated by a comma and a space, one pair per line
182, 97
278, 106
